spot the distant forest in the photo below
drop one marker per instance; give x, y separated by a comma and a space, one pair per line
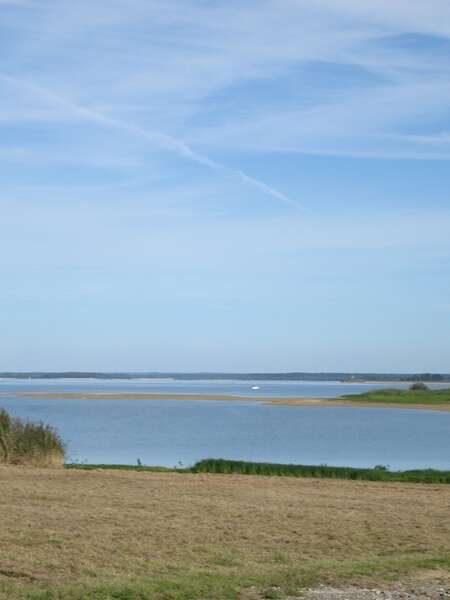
296, 376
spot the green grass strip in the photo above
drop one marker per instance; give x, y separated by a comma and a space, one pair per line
229, 467
388, 396
193, 584
379, 473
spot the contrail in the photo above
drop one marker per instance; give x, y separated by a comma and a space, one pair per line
162, 140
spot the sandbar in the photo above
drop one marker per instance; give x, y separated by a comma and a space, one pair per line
278, 401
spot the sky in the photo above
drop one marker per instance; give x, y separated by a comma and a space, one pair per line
228, 185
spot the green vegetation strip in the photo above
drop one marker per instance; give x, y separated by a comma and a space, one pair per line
388, 396
379, 473
191, 584
88, 467
230, 467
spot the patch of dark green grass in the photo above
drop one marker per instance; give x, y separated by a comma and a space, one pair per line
394, 396
230, 467
194, 584
379, 473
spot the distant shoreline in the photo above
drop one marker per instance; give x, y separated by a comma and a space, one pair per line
286, 376
391, 382
338, 402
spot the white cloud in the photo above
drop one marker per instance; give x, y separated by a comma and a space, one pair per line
165, 236
185, 71
156, 138
116, 118
368, 123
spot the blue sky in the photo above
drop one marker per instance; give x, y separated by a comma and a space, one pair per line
225, 185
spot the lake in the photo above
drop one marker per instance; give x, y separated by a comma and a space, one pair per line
170, 432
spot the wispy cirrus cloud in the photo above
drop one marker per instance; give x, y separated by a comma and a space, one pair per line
310, 73
151, 154
157, 138
382, 121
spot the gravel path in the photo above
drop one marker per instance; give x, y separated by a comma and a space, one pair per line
420, 591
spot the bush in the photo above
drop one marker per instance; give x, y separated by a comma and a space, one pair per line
22, 442
419, 387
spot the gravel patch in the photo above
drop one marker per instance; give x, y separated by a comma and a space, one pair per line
420, 591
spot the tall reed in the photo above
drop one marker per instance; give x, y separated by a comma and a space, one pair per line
25, 443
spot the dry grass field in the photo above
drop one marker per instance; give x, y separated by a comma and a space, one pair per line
70, 534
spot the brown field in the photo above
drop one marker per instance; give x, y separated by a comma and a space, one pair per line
126, 535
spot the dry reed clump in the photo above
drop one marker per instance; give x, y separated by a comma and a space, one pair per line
25, 443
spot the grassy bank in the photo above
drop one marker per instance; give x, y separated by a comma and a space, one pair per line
71, 534
144, 468
406, 397
25, 443
229, 467
380, 473
186, 583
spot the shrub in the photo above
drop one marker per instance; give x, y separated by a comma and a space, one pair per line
22, 442
419, 387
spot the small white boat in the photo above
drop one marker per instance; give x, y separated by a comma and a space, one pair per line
255, 387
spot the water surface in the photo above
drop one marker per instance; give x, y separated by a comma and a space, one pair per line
306, 389
166, 432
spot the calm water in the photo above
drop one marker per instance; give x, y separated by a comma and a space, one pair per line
167, 432
308, 389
